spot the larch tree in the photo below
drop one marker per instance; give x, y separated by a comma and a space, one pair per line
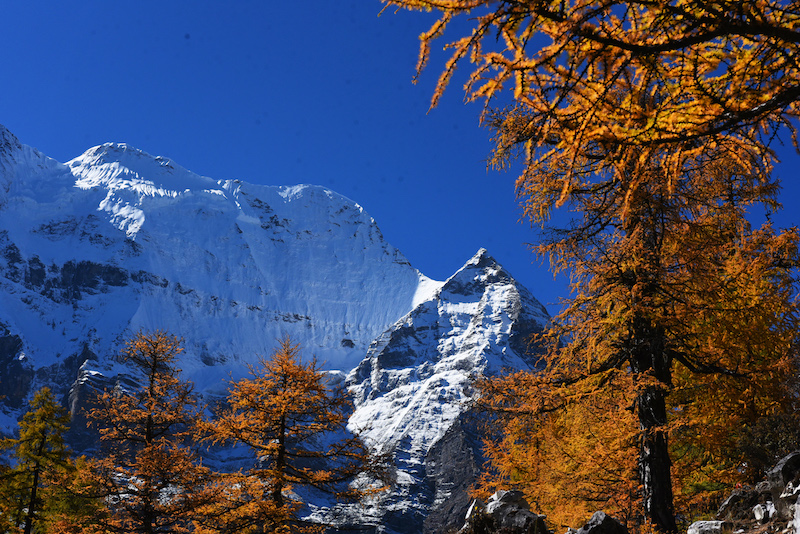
29, 487
77, 506
147, 471
652, 123
295, 426
683, 329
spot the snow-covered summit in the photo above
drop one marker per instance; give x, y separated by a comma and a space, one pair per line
117, 240
416, 381
117, 166
478, 322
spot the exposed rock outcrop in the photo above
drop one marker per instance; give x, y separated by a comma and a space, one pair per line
773, 505
506, 512
16, 373
602, 523
452, 465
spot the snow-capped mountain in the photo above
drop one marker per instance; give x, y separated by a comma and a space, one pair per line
116, 240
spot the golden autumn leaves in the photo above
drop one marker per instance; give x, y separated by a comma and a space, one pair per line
147, 475
650, 124
284, 414
623, 73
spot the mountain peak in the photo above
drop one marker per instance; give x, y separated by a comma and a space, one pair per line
8, 144
412, 389
6, 137
478, 271
121, 165
174, 245
114, 152
482, 258
482, 252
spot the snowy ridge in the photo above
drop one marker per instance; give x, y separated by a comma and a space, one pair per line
117, 240
16, 161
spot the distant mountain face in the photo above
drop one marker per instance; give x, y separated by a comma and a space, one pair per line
117, 240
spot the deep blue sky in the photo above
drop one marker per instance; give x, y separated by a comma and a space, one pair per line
277, 93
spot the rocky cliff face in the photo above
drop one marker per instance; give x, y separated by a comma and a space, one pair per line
117, 240
413, 391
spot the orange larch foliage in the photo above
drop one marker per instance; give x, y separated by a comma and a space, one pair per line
712, 69
295, 426
683, 329
147, 473
572, 452
651, 124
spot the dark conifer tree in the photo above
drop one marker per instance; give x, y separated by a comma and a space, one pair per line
40, 458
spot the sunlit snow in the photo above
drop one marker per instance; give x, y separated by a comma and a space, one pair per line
117, 240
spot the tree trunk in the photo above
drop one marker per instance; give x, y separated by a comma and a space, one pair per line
37, 469
654, 462
650, 359
32, 503
280, 464
29, 517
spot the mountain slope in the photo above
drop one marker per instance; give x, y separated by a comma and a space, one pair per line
116, 240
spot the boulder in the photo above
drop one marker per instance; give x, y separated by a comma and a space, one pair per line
510, 510
742, 503
602, 523
709, 527
764, 512
507, 512
784, 485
